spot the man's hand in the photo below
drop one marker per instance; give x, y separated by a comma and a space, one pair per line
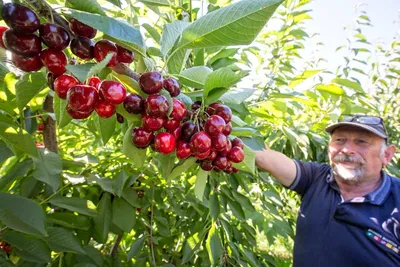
278, 165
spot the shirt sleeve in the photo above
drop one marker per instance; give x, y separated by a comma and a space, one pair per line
306, 175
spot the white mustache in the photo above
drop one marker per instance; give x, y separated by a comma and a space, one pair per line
348, 158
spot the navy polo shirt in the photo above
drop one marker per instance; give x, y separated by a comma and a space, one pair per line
364, 231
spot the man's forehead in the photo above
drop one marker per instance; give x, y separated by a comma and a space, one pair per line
353, 130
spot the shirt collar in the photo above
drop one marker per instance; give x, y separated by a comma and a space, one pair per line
375, 197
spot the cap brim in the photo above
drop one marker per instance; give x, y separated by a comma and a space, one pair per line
334, 126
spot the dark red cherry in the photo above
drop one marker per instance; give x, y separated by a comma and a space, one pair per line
124, 55
2, 30
104, 109
237, 142
54, 36
164, 143
171, 125
203, 155
200, 142
62, 84
236, 154
27, 64
221, 162
81, 29
206, 165
113, 92
153, 124
225, 112
142, 137
55, 61
82, 98
177, 132
178, 110
50, 79
188, 130
172, 86
214, 125
227, 149
212, 155
156, 105
20, 18
228, 129
24, 44
219, 142
151, 82
183, 150
212, 107
95, 82
77, 115
134, 104
82, 47
102, 48
196, 105
120, 118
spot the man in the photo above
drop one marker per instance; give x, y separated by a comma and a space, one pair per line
349, 214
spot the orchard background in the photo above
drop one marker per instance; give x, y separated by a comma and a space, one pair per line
79, 193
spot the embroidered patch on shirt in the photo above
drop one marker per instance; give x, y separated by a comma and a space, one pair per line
383, 240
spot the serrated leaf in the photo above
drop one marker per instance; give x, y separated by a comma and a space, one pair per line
177, 61
88, 5
105, 127
106, 184
221, 78
165, 163
249, 162
69, 220
345, 82
214, 245
136, 247
214, 206
28, 86
200, 184
124, 215
60, 110
170, 34
102, 221
22, 214
80, 71
21, 140
97, 68
115, 29
304, 76
184, 167
28, 247
152, 31
63, 240
195, 76
75, 204
136, 155
48, 168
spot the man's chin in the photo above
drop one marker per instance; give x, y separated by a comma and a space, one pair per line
346, 174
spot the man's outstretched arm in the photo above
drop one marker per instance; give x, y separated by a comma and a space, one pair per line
278, 165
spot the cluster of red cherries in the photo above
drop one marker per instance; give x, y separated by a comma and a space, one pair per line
201, 132
26, 46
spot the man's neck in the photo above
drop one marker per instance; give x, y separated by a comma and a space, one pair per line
351, 190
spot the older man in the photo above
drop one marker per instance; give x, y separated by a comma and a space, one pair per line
349, 213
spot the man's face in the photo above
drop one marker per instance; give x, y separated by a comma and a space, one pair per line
355, 154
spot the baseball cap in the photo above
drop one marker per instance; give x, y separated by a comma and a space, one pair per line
372, 124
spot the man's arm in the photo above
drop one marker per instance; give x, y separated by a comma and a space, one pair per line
277, 164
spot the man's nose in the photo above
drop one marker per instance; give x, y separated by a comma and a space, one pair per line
348, 148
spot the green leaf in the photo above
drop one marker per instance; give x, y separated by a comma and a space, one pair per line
115, 29
102, 221
330, 88
221, 78
214, 206
236, 209
119, 182
97, 68
20, 169
80, 71
237, 96
244, 201
28, 86
115, 2
63, 240
165, 163
184, 167
301, 78
249, 162
240, 131
60, 110
5, 152
136, 247
191, 246
195, 76
124, 215
136, 155
177, 61
345, 82
200, 184
20, 140
214, 245
170, 33
90, 6
156, 2
22, 214
48, 168
105, 127
185, 100
236, 24
75, 204
69, 220
152, 31
28, 247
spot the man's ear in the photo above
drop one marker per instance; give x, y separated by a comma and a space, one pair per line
389, 153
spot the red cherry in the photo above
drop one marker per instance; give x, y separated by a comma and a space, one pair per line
134, 104
212, 107
219, 142
124, 55
164, 143
142, 137
62, 83
120, 118
203, 155
81, 29
153, 124
54, 36
104, 109
212, 155
156, 105
23, 44
112, 92
220, 162
225, 112
206, 165
238, 142
77, 115
172, 86
178, 110
228, 129
188, 130
82, 98
95, 82
228, 148
176, 133
41, 127
200, 142
27, 64
214, 125
151, 82
20, 18
102, 48
82, 47
55, 61
2, 30
234, 170
183, 150
236, 154
171, 125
